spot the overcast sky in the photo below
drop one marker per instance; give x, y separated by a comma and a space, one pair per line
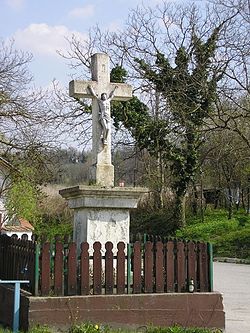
40, 27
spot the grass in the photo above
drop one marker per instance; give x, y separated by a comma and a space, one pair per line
231, 238
89, 327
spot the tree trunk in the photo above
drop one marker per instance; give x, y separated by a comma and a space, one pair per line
195, 200
248, 200
243, 199
179, 211
161, 180
230, 205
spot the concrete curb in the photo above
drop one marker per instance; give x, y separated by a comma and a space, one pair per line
232, 260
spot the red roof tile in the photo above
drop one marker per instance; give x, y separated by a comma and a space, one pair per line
22, 226
25, 224
15, 228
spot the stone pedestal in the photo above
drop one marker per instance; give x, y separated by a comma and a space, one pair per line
102, 174
101, 214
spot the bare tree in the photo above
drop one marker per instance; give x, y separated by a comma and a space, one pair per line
226, 165
233, 104
168, 30
22, 107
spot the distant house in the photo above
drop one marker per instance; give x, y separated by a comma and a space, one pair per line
15, 226
18, 227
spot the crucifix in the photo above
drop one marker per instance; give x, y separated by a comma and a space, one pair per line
101, 91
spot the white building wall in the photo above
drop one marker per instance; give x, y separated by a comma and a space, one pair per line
19, 234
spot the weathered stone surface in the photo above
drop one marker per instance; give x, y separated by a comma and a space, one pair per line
132, 311
101, 225
102, 172
94, 196
101, 214
79, 89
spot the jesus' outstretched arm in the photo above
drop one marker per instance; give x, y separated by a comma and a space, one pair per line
93, 93
111, 95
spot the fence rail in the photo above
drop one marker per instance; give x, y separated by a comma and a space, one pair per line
150, 267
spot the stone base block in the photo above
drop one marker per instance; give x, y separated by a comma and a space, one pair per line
101, 214
102, 175
101, 225
125, 311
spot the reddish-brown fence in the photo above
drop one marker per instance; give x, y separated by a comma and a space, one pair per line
151, 267
141, 268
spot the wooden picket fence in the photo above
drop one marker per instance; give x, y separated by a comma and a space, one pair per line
153, 267
17, 260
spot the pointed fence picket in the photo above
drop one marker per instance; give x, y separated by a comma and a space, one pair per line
142, 267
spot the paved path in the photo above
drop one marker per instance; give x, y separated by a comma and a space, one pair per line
233, 281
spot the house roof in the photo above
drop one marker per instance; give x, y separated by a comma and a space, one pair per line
20, 225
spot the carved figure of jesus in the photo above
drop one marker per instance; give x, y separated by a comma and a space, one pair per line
104, 112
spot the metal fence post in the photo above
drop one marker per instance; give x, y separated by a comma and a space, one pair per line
37, 254
211, 267
16, 308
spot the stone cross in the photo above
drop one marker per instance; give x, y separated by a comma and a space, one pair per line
103, 171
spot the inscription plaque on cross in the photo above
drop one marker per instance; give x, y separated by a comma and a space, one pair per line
102, 171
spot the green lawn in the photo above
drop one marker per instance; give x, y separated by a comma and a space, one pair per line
231, 238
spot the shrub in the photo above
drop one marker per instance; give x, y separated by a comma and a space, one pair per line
50, 227
152, 223
234, 244
179, 329
55, 216
89, 327
207, 231
41, 329
23, 196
